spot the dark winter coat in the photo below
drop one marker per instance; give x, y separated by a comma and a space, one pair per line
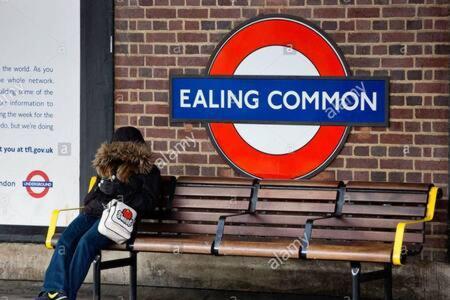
138, 180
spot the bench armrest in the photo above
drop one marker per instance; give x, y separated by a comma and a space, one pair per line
397, 252
309, 227
55, 214
221, 228
52, 227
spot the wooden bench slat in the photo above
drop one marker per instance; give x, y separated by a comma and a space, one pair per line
419, 198
261, 206
177, 245
384, 210
299, 183
363, 185
360, 252
200, 180
213, 191
283, 219
257, 249
283, 232
301, 207
317, 195
210, 204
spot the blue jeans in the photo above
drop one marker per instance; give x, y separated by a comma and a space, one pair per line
75, 251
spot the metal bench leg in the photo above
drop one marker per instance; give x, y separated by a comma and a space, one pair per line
133, 276
97, 278
356, 280
388, 282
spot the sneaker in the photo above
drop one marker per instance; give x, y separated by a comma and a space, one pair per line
52, 296
57, 295
42, 296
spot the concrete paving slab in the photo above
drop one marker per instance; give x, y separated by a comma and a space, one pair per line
20, 290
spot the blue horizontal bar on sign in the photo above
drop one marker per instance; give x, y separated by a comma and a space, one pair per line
290, 100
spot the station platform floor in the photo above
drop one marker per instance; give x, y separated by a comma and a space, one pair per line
19, 290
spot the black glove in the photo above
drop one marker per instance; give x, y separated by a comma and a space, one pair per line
107, 186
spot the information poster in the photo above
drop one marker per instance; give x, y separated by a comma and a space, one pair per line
39, 110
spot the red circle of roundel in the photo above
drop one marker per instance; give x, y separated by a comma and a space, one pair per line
44, 191
321, 51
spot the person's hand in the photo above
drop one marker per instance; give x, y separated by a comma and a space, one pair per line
107, 186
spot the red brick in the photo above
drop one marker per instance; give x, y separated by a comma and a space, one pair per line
193, 37
145, 121
432, 113
431, 87
361, 163
208, 171
129, 108
325, 175
192, 158
433, 37
397, 87
398, 164
145, 2
440, 126
198, 134
387, 138
361, 37
430, 165
397, 37
371, 12
121, 120
155, 108
301, 12
127, 12
367, 62
160, 61
129, 84
223, 13
397, 62
329, 13
157, 84
437, 11
135, 37
192, 13
432, 62
159, 145
431, 139
121, 60
398, 11
363, 138
164, 133
200, 61
164, 37
161, 13
361, 176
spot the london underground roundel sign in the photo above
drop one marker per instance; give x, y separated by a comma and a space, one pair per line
278, 46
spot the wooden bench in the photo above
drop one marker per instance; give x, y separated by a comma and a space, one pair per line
356, 222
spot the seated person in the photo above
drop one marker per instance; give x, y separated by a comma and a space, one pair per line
125, 171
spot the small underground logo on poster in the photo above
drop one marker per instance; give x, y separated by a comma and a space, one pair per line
278, 99
37, 184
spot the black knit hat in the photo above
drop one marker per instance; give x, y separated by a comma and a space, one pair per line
127, 134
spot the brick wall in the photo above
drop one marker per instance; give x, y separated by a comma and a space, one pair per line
407, 40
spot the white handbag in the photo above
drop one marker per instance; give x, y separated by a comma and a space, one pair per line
117, 221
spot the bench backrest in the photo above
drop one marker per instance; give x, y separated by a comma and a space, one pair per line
371, 211
196, 204
381, 206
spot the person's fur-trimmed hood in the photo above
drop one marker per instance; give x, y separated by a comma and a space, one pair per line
114, 157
